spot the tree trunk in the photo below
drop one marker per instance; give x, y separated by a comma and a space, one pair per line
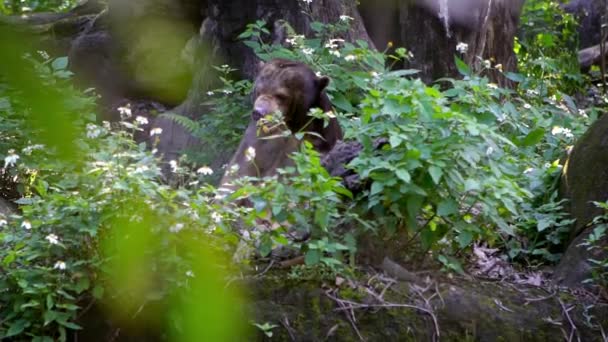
225, 21
431, 30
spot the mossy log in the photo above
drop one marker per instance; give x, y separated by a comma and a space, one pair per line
457, 309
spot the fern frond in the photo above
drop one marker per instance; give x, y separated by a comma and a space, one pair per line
189, 124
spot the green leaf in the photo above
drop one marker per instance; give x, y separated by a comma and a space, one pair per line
98, 292
543, 224
471, 185
436, 173
313, 256
447, 207
465, 238
60, 63
403, 175
462, 67
515, 77
376, 188
533, 138
16, 328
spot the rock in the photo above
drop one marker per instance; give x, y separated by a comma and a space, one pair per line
6, 208
585, 175
589, 14
575, 267
584, 180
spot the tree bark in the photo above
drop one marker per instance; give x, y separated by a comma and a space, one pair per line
431, 30
219, 44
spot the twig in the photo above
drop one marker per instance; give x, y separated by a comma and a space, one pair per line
573, 328
539, 299
285, 323
265, 270
350, 315
354, 305
500, 305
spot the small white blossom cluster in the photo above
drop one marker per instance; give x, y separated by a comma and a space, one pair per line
43, 54
173, 165
60, 265
295, 40
125, 112
176, 228
10, 159
561, 130
345, 18
205, 171
93, 131
250, 153
141, 120
462, 47
29, 149
52, 239
307, 51
156, 131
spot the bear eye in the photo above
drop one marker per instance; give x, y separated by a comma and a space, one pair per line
281, 97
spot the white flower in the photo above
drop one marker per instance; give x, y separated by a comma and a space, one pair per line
176, 228
527, 106
462, 47
210, 93
227, 91
125, 112
107, 125
141, 169
11, 159
345, 18
3, 222
487, 63
561, 130
217, 218
43, 54
582, 113
250, 153
52, 239
60, 265
26, 224
528, 170
308, 51
173, 165
350, 58
531, 92
205, 170
190, 274
334, 52
28, 150
93, 131
333, 43
547, 165
141, 120
156, 131
498, 67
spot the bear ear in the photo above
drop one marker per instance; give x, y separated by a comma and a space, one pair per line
322, 82
259, 66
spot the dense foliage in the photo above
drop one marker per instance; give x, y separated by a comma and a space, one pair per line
27, 6
463, 164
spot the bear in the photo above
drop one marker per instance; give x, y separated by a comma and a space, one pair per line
293, 89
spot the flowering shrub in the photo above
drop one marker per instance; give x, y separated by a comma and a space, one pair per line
101, 227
